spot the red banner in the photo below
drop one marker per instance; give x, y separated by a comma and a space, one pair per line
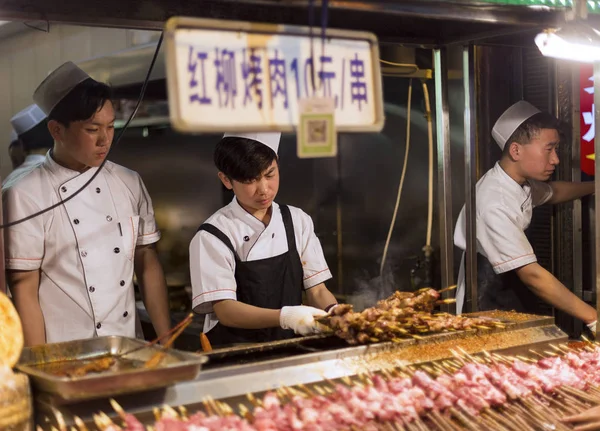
586, 119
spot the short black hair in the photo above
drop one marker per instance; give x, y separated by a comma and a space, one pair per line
37, 137
531, 127
82, 102
243, 159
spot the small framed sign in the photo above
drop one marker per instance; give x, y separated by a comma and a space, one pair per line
316, 134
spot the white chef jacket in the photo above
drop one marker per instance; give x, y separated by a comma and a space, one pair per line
212, 264
504, 209
84, 249
31, 161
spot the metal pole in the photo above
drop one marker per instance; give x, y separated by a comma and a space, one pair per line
597, 179
470, 177
443, 166
2, 260
576, 232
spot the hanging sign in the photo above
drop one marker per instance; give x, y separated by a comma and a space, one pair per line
239, 76
587, 124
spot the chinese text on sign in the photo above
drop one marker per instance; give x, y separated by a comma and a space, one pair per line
225, 79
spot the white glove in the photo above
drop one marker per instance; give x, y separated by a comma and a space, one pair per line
592, 326
300, 318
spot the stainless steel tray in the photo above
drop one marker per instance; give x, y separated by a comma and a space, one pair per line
40, 361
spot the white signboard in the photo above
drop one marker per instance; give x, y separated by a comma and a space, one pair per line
237, 76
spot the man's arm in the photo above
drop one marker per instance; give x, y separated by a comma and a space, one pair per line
153, 287
299, 318
563, 191
236, 314
319, 296
548, 288
24, 286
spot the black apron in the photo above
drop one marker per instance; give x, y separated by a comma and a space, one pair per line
272, 283
502, 291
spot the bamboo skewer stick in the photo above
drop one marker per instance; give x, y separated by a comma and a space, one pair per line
118, 409
60, 420
438, 422
80, 424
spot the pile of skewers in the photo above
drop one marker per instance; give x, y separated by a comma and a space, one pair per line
402, 315
487, 391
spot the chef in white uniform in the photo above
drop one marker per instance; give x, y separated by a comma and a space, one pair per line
252, 260
15, 150
31, 128
71, 269
509, 276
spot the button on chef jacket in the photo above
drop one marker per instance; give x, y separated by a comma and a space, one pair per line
84, 248
504, 210
212, 264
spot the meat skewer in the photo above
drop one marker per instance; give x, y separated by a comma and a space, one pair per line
402, 315
468, 392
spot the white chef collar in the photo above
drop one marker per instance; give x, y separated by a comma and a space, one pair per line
58, 85
27, 119
241, 214
271, 140
511, 119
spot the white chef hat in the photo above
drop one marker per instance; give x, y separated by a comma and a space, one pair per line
58, 85
27, 119
13, 135
511, 119
270, 139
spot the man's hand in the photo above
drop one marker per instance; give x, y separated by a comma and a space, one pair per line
589, 420
592, 327
301, 319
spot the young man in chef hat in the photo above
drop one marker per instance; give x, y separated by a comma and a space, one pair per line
70, 270
31, 128
251, 261
509, 277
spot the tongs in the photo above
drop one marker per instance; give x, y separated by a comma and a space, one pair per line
157, 358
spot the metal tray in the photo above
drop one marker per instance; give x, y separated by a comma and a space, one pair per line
128, 377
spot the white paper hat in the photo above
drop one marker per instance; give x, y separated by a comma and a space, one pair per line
27, 119
270, 139
13, 135
511, 119
57, 85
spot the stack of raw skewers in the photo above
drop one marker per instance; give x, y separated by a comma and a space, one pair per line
482, 392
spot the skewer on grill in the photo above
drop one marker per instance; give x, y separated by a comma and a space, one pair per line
169, 412
253, 400
183, 412
80, 424
209, 407
60, 420
245, 413
118, 409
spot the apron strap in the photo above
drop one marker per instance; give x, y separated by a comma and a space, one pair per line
207, 227
286, 215
294, 257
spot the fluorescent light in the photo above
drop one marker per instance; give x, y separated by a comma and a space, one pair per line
576, 41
